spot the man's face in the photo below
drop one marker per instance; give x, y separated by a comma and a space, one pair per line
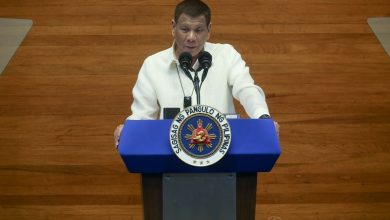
190, 34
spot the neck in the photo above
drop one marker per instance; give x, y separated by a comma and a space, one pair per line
177, 54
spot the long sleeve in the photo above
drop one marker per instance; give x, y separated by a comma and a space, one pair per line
251, 96
145, 104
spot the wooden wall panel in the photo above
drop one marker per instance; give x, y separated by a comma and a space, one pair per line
325, 75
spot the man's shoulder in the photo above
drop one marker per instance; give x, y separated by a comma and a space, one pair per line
161, 55
219, 47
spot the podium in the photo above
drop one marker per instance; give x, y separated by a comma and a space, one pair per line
174, 190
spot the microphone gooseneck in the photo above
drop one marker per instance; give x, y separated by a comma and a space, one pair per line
185, 61
197, 87
204, 59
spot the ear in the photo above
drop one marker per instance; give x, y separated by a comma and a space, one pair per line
173, 23
209, 29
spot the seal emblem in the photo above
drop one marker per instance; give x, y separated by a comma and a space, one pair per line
200, 135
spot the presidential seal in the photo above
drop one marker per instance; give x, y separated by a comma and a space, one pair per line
200, 135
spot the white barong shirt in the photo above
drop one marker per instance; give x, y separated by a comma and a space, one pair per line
162, 84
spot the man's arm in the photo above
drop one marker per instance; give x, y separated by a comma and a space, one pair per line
251, 96
145, 105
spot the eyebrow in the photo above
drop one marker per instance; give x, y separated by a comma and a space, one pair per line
199, 25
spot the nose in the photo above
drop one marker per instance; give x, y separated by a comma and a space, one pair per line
191, 36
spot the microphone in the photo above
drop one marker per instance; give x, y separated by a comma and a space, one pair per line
204, 59
185, 60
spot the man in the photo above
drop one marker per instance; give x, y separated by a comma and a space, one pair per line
163, 84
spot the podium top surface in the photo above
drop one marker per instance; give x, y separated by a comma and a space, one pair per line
145, 148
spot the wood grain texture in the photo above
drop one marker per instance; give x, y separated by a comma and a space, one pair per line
325, 75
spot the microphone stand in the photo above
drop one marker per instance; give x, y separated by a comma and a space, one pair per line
197, 84
197, 87
205, 71
204, 59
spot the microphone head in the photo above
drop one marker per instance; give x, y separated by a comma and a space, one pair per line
205, 59
185, 60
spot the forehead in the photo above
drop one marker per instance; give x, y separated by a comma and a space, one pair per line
185, 19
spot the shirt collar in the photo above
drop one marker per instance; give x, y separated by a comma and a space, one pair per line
173, 55
174, 58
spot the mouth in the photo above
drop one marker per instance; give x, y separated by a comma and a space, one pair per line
190, 47
193, 50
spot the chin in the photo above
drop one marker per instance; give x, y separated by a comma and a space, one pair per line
194, 52
191, 50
